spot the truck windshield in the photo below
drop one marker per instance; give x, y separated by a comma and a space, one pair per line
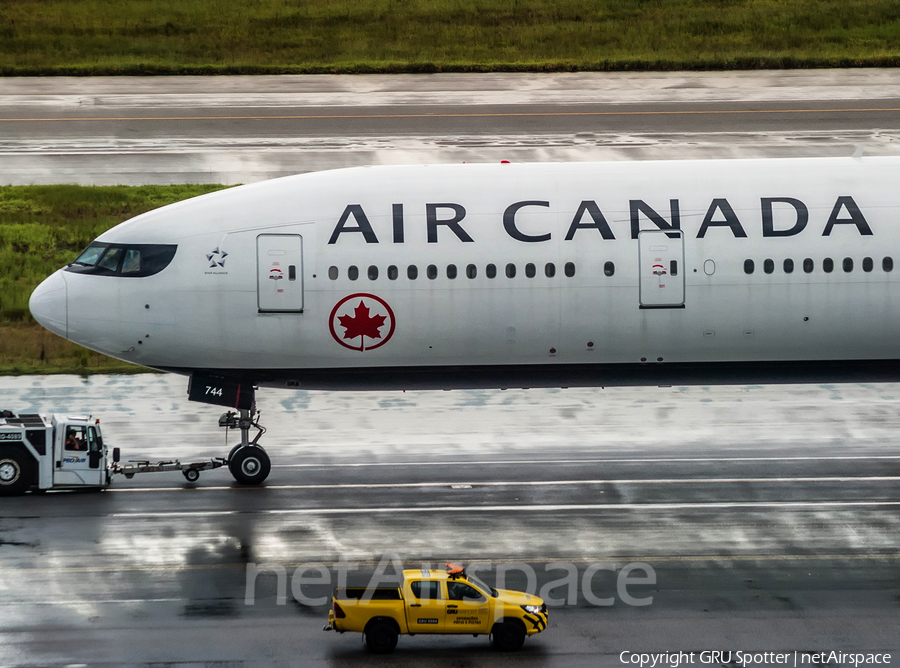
483, 587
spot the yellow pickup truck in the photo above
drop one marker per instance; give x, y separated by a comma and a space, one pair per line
435, 601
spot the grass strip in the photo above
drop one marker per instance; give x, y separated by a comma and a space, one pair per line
80, 37
43, 228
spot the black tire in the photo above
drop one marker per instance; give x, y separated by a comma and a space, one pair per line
233, 450
381, 637
191, 475
508, 636
16, 472
250, 465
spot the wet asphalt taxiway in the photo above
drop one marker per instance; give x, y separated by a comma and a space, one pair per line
763, 519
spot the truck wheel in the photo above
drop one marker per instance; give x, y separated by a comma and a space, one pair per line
16, 472
381, 637
508, 636
250, 465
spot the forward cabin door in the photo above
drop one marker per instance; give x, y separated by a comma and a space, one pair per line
279, 275
661, 260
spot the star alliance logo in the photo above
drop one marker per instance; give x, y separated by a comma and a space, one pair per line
216, 258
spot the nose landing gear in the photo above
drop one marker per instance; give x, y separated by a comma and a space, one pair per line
248, 462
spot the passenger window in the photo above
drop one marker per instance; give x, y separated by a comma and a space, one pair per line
609, 269
460, 591
352, 272
569, 269
868, 265
887, 264
490, 271
132, 262
768, 266
530, 271
510, 270
788, 266
471, 271
748, 266
393, 273
847, 265
412, 272
451, 271
373, 273
333, 273
431, 271
808, 265
427, 590
111, 259
549, 270
828, 265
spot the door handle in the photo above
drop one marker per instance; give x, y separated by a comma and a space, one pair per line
415, 605
452, 606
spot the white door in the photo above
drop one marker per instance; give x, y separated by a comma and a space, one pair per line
79, 456
661, 258
279, 280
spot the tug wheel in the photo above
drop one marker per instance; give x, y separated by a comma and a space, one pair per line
191, 475
16, 472
250, 465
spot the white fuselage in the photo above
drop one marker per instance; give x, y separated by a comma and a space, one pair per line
262, 283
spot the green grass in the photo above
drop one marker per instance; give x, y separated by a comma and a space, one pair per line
219, 36
43, 228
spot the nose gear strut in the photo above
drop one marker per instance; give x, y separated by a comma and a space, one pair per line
248, 462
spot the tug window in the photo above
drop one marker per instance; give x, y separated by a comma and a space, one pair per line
768, 266
868, 265
471, 271
491, 271
847, 265
431, 271
373, 273
748, 266
549, 270
887, 264
451, 271
393, 273
412, 272
510, 270
808, 265
788, 266
333, 273
569, 269
530, 271
352, 272
828, 265
609, 269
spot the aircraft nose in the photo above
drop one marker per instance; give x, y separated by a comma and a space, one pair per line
49, 304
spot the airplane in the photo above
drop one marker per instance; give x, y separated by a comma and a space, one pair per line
500, 275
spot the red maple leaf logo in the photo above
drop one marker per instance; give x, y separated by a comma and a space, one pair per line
361, 323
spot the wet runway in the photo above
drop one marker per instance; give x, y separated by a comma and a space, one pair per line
134, 130
769, 516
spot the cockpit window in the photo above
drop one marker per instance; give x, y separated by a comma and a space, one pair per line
132, 261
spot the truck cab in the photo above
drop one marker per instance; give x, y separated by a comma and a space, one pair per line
435, 601
50, 452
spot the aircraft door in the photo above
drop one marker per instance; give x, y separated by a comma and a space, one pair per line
279, 280
661, 260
